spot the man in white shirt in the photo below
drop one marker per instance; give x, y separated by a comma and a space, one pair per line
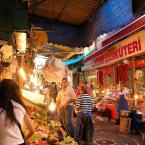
64, 101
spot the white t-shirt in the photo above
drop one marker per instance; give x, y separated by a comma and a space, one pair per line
65, 96
10, 134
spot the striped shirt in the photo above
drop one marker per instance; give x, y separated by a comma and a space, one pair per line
84, 103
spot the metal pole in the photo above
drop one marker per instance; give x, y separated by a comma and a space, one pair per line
133, 76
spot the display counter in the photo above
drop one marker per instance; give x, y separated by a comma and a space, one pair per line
34, 97
47, 130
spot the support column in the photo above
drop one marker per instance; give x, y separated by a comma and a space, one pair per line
133, 77
113, 76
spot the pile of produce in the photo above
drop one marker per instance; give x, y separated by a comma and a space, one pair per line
48, 130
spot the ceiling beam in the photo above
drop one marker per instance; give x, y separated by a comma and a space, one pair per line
77, 51
68, 56
61, 47
60, 14
3, 42
64, 52
33, 6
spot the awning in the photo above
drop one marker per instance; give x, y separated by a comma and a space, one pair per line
132, 27
103, 21
114, 14
66, 34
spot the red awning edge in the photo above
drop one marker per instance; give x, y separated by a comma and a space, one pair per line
130, 28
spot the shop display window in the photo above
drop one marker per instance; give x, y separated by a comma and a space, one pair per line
140, 82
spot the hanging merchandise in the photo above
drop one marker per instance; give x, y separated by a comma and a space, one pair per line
7, 51
138, 74
121, 73
54, 64
54, 70
20, 39
101, 77
38, 37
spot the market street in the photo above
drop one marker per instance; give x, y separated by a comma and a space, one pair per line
107, 133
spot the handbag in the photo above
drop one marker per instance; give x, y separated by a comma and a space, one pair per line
19, 126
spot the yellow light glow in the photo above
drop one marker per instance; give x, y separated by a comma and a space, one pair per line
40, 60
52, 106
86, 50
21, 41
22, 73
107, 91
34, 97
94, 93
33, 79
136, 97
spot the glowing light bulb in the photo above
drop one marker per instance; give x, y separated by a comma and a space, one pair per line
107, 90
22, 73
52, 106
136, 97
33, 79
20, 41
103, 91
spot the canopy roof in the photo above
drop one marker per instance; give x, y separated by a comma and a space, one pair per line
69, 11
65, 22
72, 23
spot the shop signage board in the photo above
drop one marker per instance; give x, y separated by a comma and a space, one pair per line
140, 63
87, 66
129, 47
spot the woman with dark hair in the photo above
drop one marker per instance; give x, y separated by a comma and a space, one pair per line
12, 114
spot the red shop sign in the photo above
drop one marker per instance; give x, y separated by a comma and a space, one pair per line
131, 46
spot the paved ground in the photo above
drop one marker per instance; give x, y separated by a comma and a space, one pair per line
107, 133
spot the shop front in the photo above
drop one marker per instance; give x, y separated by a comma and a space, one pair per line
123, 64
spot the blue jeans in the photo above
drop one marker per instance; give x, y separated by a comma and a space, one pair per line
84, 128
66, 116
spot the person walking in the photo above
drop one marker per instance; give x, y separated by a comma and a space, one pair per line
84, 125
122, 103
13, 114
53, 91
64, 101
85, 83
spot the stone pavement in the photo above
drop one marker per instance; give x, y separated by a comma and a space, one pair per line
107, 133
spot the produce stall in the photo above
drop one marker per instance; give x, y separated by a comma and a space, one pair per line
48, 129
107, 106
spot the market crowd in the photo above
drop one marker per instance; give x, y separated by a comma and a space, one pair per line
13, 112
83, 129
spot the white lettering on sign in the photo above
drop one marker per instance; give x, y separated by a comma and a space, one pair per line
124, 49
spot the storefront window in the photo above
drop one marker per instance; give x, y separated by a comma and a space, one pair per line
140, 82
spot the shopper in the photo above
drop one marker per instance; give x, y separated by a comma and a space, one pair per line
53, 91
138, 120
122, 103
84, 125
12, 114
47, 94
142, 109
64, 101
85, 83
